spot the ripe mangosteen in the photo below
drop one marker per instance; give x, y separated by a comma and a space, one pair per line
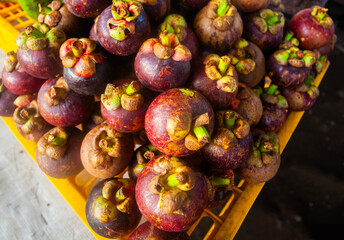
193, 5
313, 27
111, 209
249, 62
38, 49
171, 195
156, 9
264, 28
141, 157
105, 152
290, 67
85, 68
328, 48
86, 8
16, 80
57, 15
303, 97
7, 98
62, 107
30, 124
231, 142
176, 24
148, 231
163, 63
250, 5
140, 137
265, 159
124, 105
179, 122
275, 109
58, 152
123, 27
221, 186
216, 79
218, 25
94, 120
248, 105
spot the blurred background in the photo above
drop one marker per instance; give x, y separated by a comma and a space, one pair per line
304, 201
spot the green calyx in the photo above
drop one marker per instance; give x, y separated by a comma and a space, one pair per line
220, 69
269, 20
232, 121
223, 13
124, 13
187, 92
295, 57
11, 61
241, 58
319, 14
127, 96
223, 8
28, 117
273, 91
57, 139
39, 36
176, 24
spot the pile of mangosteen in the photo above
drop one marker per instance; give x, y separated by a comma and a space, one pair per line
186, 96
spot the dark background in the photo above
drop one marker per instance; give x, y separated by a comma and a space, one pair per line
306, 198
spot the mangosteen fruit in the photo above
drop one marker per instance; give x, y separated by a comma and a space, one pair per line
265, 159
148, 231
171, 195
249, 62
85, 68
111, 209
124, 105
176, 24
58, 152
57, 15
264, 28
62, 107
141, 157
248, 105
231, 143
123, 27
216, 79
86, 8
16, 80
7, 98
303, 97
250, 5
163, 63
94, 120
222, 184
28, 120
38, 49
290, 67
179, 122
313, 27
275, 109
156, 9
218, 25
105, 152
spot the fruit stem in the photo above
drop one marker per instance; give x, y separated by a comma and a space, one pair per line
201, 134
272, 89
309, 80
77, 48
273, 20
33, 32
173, 180
288, 36
229, 119
223, 8
57, 139
219, 181
224, 62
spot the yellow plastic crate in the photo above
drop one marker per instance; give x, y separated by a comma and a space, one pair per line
75, 189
